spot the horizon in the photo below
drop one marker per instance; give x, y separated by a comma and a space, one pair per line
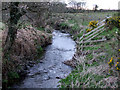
102, 4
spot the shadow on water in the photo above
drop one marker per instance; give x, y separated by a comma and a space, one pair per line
47, 73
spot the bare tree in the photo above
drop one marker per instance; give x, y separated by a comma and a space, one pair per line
73, 4
15, 14
34, 11
95, 7
81, 5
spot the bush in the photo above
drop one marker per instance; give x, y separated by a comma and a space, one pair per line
113, 21
93, 24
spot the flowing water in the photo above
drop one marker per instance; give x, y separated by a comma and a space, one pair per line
47, 73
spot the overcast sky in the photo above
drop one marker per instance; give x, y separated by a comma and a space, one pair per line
103, 4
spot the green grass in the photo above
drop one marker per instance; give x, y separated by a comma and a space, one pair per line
71, 77
13, 75
5, 81
85, 23
92, 48
75, 27
40, 28
107, 33
63, 24
89, 56
23, 24
65, 83
39, 49
71, 21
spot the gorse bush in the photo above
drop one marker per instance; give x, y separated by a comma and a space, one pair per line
113, 21
110, 23
92, 25
114, 65
88, 30
111, 62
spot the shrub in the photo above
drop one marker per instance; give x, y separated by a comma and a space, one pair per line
111, 62
117, 66
113, 21
93, 24
88, 30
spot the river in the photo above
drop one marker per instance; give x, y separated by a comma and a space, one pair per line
47, 73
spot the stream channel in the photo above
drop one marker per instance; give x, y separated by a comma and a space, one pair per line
47, 73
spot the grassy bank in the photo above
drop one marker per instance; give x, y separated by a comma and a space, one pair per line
92, 68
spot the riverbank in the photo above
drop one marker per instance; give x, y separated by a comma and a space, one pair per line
29, 45
91, 64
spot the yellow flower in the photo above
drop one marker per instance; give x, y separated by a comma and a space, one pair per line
88, 30
119, 49
111, 59
118, 57
117, 68
117, 63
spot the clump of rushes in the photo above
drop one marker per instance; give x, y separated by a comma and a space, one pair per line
92, 25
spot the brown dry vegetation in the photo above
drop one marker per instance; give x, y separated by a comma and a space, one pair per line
27, 47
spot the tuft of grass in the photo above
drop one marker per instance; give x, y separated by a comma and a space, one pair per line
13, 75
79, 81
71, 21
5, 81
40, 28
39, 49
75, 27
65, 83
63, 24
92, 48
23, 25
89, 56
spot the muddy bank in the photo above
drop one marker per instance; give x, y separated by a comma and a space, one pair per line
28, 46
